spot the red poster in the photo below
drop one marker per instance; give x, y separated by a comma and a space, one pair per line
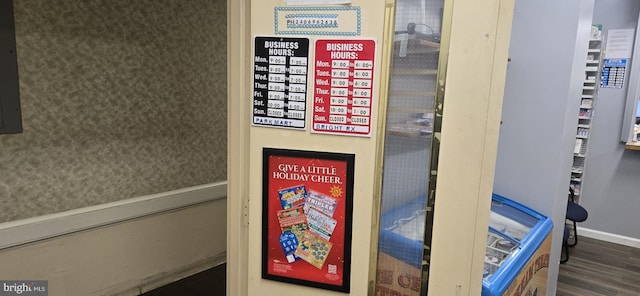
343, 86
307, 206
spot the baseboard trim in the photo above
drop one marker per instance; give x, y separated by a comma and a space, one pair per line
609, 237
30, 230
165, 279
157, 281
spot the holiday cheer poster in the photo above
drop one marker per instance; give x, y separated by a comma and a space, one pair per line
306, 217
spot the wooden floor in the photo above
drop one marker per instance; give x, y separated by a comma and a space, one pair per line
600, 268
211, 282
595, 268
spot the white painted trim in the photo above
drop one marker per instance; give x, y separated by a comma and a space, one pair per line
609, 237
29, 230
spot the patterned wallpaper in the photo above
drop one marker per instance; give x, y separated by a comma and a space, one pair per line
119, 99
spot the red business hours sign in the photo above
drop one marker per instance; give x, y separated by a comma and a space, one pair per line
342, 94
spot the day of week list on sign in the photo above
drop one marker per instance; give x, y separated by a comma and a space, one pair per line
280, 71
343, 86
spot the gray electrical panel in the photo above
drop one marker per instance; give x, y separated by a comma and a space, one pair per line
10, 115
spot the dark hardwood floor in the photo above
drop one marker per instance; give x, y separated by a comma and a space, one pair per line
595, 268
600, 268
211, 282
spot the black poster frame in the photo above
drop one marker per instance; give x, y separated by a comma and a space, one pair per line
349, 161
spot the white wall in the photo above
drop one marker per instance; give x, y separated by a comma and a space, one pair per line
124, 258
611, 189
544, 78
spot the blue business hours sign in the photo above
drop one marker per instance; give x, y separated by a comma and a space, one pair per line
613, 73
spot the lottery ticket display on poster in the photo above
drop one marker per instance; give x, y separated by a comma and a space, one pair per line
292, 197
307, 200
320, 224
320, 202
313, 249
293, 220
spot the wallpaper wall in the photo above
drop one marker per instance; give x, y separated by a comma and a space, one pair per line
119, 99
